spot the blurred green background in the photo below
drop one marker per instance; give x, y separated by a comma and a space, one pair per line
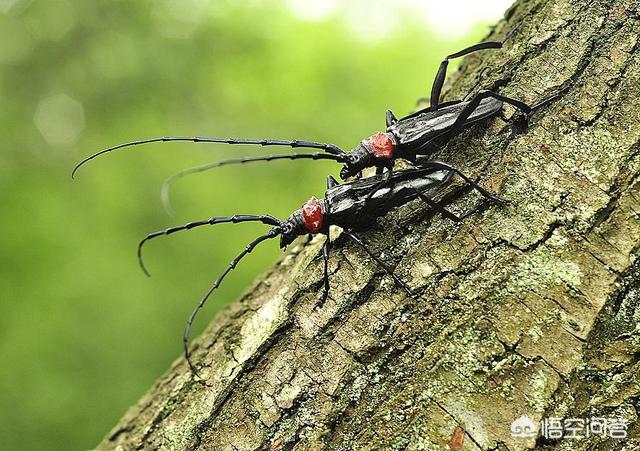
83, 333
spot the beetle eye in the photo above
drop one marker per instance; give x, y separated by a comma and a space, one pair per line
353, 158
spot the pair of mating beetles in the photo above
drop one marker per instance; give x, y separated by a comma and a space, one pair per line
354, 205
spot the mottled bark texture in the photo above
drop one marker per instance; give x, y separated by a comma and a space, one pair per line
529, 309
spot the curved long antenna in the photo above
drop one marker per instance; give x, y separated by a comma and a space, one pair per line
329, 148
185, 337
166, 186
265, 219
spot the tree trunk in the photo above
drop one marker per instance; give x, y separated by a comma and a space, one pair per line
530, 309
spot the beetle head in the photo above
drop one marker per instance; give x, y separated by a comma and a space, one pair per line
291, 229
358, 159
376, 150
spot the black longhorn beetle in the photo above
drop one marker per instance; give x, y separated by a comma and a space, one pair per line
411, 138
349, 206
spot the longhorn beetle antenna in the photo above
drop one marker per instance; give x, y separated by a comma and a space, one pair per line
274, 232
328, 148
235, 219
166, 186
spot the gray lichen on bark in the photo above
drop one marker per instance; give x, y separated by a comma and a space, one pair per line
530, 309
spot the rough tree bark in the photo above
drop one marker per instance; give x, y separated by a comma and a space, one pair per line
531, 309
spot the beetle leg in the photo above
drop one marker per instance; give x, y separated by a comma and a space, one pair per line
446, 213
391, 118
326, 250
438, 82
441, 165
475, 101
548, 100
353, 237
436, 206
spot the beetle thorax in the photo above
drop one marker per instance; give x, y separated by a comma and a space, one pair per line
313, 215
376, 150
381, 145
310, 218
